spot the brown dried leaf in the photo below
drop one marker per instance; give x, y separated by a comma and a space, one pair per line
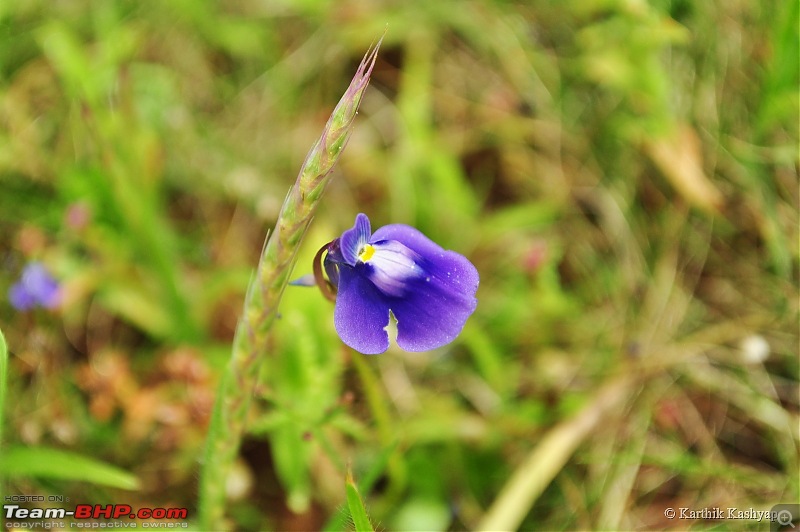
679, 159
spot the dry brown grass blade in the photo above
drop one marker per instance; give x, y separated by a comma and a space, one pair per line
548, 458
679, 159
631, 440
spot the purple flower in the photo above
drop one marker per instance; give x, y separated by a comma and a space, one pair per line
36, 288
430, 291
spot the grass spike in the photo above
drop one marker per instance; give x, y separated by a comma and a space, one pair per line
263, 295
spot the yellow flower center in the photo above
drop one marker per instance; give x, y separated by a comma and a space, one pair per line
366, 253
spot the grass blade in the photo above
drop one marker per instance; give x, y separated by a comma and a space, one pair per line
356, 505
53, 463
548, 458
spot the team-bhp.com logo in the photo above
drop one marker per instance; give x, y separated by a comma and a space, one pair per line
99, 511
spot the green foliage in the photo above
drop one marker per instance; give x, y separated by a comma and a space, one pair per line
304, 386
358, 513
23, 462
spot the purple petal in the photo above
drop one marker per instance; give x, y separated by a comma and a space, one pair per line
51, 298
306, 280
361, 314
354, 239
20, 298
37, 287
40, 285
458, 270
434, 313
435, 309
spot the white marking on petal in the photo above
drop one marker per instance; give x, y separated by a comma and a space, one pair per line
392, 266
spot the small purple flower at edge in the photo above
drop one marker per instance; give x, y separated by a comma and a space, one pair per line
397, 269
36, 288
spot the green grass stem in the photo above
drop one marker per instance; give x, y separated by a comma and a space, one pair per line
264, 294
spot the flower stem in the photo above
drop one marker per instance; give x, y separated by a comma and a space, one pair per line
263, 295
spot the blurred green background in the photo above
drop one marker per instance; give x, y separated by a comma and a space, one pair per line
623, 173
